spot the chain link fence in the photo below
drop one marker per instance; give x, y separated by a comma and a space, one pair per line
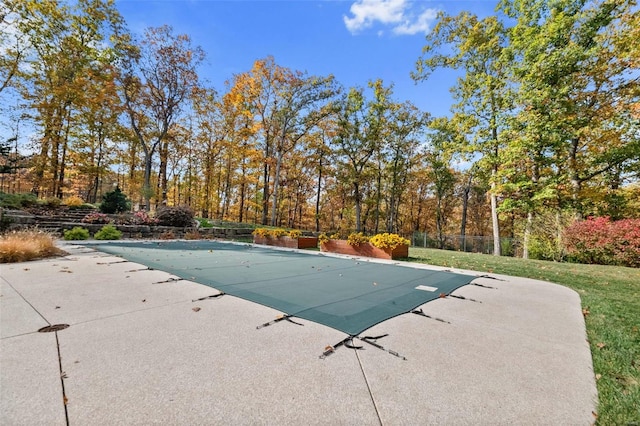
467, 243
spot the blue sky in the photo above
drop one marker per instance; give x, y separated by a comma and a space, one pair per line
356, 41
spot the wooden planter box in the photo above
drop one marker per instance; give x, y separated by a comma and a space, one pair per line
364, 249
298, 243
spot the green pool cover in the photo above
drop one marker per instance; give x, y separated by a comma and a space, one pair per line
346, 294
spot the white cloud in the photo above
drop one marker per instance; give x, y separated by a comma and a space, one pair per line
366, 12
420, 25
398, 14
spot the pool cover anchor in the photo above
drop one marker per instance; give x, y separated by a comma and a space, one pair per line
482, 285
421, 313
445, 295
372, 340
348, 343
280, 318
112, 263
169, 280
213, 296
140, 270
489, 277
464, 298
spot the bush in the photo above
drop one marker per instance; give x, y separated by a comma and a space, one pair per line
96, 218
355, 239
295, 233
277, 233
261, 232
51, 203
108, 232
20, 246
204, 223
17, 201
175, 216
73, 201
542, 247
77, 233
115, 202
143, 218
83, 206
545, 239
388, 241
599, 240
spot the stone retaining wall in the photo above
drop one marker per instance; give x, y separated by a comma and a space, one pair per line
20, 220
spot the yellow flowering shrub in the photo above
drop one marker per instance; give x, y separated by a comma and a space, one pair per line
295, 233
261, 232
388, 241
355, 239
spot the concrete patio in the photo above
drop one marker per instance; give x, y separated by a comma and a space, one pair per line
140, 350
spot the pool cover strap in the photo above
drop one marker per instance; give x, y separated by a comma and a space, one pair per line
213, 296
280, 318
348, 343
422, 314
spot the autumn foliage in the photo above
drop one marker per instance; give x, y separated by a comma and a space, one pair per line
600, 240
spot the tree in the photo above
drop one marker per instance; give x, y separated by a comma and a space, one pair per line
406, 127
574, 129
304, 105
438, 157
360, 125
156, 79
476, 46
67, 44
287, 105
319, 149
114, 202
575, 89
13, 43
98, 129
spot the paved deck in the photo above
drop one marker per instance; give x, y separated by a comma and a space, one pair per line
141, 351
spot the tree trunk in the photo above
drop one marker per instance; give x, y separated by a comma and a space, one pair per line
276, 185
162, 174
242, 193
497, 249
93, 196
356, 193
227, 189
63, 163
265, 193
576, 184
439, 227
527, 236
146, 185
378, 199
318, 195
463, 219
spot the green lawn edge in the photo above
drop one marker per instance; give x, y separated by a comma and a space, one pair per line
610, 297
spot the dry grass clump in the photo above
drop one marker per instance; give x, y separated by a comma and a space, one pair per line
20, 246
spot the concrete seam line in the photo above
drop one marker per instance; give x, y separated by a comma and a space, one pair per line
62, 377
364, 375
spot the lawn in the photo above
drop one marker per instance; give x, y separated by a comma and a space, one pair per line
611, 304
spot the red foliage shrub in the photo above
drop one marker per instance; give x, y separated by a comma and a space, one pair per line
599, 240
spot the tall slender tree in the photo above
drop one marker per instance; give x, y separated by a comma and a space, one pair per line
476, 47
65, 44
360, 125
157, 77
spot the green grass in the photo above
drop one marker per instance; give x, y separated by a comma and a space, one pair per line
217, 223
611, 303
